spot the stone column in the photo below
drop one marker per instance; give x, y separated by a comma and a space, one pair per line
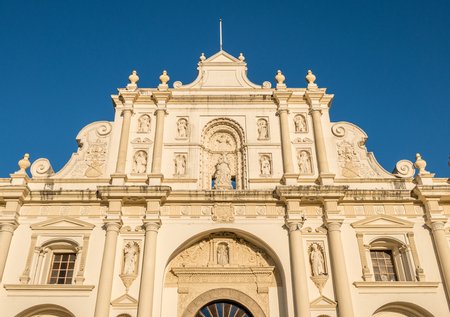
6, 234
443, 251
124, 138
107, 269
298, 270
161, 97
147, 285
281, 96
340, 278
319, 141
288, 165
158, 144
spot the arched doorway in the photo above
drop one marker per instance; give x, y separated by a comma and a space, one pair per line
224, 300
401, 309
223, 309
46, 310
226, 261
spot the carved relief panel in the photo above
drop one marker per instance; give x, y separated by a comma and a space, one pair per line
180, 161
222, 164
91, 158
354, 161
182, 129
304, 161
300, 125
265, 164
143, 124
140, 162
262, 125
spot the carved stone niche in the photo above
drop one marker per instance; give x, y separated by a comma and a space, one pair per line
221, 260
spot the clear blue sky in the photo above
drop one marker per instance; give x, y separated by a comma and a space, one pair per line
387, 62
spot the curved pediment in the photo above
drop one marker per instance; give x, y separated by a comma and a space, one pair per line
222, 70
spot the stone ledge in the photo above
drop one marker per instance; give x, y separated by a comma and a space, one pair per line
48, 290
397, 287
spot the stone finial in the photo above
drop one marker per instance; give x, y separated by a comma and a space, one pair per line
133, 78
24, 164
164, 78
202, 57
310, 79
241, 57
279, 77
420, 164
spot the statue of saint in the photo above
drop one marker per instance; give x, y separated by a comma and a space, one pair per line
144, 124
140, 162
317, 261
222, 254
129, 259
300, 123
180, 164
263, 132
265, 165
222, 174
182, 127
304, 162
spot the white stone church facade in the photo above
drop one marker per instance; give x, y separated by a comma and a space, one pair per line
223, 198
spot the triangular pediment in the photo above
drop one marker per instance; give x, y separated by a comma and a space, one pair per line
222, 57
125, 300
382, 221
62, 223
220, 71
323, 302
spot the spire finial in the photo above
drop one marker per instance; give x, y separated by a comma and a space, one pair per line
310, 79
220, 29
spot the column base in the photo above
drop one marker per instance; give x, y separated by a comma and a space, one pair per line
155, 179
118, 179
289, 179
326, 179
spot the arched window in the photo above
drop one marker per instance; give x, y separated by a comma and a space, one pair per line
390, 261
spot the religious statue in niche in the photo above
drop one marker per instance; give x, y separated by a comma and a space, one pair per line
300, 123
263, 129
130, 255
180, 164
140, 162
144, 124
222, 174
317, 260
182, 128
304, 162
265, 165
223, 256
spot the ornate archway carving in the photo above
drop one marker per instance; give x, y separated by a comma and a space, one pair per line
223, 139
222, 260
224, 294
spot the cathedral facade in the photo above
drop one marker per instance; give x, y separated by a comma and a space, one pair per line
223, 197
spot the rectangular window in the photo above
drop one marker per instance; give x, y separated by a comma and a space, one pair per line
63, 265
383, 265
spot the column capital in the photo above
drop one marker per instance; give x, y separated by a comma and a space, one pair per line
436, 225
8, 226
334, 224
112, 224
151, 224
294, 225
